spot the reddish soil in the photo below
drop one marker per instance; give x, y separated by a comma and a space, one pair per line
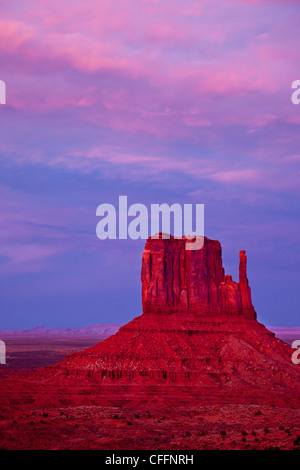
150, 425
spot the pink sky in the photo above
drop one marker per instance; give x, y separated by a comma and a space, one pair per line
173, 100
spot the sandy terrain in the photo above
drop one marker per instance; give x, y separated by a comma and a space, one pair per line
231, 426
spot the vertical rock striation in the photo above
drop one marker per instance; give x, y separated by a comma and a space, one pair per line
176, 280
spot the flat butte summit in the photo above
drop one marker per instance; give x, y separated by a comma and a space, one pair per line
197, 348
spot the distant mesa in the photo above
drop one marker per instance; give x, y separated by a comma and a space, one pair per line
40, 331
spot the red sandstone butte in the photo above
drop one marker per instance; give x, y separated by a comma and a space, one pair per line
198, 332
193, 281
197, 354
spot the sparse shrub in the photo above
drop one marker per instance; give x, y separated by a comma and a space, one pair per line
297, 441
223, 433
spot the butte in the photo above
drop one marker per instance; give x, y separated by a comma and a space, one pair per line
198, 341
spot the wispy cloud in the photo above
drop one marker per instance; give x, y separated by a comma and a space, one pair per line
162, 99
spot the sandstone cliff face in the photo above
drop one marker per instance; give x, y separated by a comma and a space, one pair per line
193, 281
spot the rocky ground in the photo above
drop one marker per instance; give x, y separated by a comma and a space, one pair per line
231, 426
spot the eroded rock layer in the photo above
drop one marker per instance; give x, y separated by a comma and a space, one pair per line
175, 279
